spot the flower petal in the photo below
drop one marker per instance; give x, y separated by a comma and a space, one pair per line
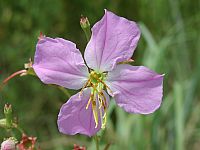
113, 40
136, 89
58, 61
75, 118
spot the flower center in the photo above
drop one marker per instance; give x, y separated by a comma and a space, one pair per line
97, 97
96, 77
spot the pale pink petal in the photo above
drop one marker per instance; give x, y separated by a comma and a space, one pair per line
136, 89
75, 118
58, 61
113, 40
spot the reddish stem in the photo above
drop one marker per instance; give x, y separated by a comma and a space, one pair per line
13, 75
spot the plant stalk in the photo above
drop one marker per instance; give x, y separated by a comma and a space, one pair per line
96, 142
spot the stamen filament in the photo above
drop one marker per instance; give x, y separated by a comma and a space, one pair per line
101, 117
104, 120
95, 113
107, 87
104, 99
86, 84
100, 102
104, 85
126, 61
91, 97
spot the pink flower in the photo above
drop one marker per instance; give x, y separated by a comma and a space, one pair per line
27, 143
8, 144
136, 89
77, 147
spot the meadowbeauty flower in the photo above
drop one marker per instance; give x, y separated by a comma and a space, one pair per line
27, 143
101, 73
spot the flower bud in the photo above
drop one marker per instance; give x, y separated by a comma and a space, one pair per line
7, 109
84, 22
8, 115
85, 25
8, 144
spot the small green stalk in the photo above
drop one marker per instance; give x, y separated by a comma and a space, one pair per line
96, 138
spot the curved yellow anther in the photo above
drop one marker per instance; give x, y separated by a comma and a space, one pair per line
91, 99
85, 85
95, 113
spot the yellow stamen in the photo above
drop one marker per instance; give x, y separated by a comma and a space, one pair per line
107, 88
104, 99
126, 61
86, 84
100, 110
105, 85
100, 103
95, 113
91, 97
104, 120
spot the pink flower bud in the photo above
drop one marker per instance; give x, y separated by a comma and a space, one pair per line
84, 22
9, 144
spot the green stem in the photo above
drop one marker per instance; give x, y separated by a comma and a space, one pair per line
96, 142
65, 91
87, 32
107, 146
18, 128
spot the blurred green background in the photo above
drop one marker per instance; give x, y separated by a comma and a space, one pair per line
170, 44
